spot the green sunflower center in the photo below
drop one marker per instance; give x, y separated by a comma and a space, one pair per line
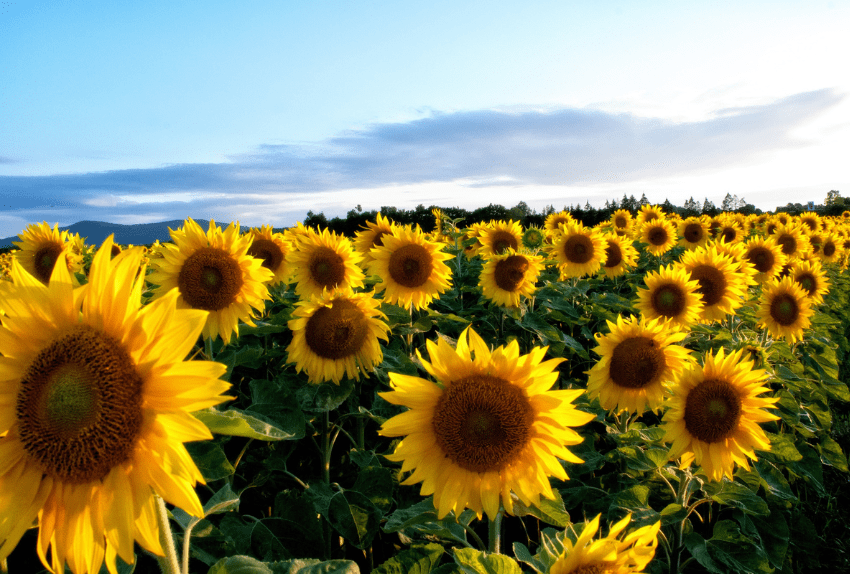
784, 309
712, 410
636, 362
45, 259
578, 249
80, 406
712, 283
483, 423
510, 272
532, 238
668, 300
210, 279
267, 250
338, 331
411, 265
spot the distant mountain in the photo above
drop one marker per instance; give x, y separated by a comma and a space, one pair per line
138, 234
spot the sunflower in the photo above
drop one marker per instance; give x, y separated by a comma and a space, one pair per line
638, 362
714, 413
620, 255
659, 235
490, 425
95, 403
648, 213
721, 285
730, 231
736, 252
672, 295
322, 261
336, 335
506, 278
412, 269
812, 221
40, 248
578, 250
213, 272
554, 221
832, 249
765, 257
785, 309
533, 238
372, 236
811, 276
693, 232
791, 239
271, 248
621, 220
499, 237
611, 554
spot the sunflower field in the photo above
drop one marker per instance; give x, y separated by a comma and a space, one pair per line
651, 394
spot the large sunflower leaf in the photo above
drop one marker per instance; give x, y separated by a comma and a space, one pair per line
234, 422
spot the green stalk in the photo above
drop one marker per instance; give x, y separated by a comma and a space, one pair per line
494, 529
168, 563
208, 345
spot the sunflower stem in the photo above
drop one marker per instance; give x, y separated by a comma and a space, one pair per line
326, 477
187, 537
494, 528
208, 346
168, 563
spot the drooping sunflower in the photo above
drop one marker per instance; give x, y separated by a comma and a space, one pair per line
499, 237
40, 248
765, 257
578, 250
714, 414
489, 426
336, 335
785, 309
721, 285
620, 255
95, 403
372, 236
324, 260
672, 295
412, 269
271, 248
811, 276
659, 235
693, 232
213, 272
638, 362
615, 554
506, 278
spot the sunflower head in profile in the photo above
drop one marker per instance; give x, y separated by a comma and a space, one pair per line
714, 413
41, 247
615, 553
271, 248
578, 250
533, 238
812, 278
659, 236
506, 278
213, 272
322, 261
721, 284
648, 213
489, 426
638, 361
765, 258
412, 268
672, 296
336, 335
621, 220
693, 232
620, 255
553, 222
95, 403
736, 252
500, 237
784, 309
372, 236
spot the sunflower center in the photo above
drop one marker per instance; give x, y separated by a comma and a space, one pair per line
650, 216
613, 255
712, 283
411, 265
657, 236
807, 282
267, 250
115, 250
762, 259
378, 239
595, 568
483, 423
829, 249
45, 259
693, 232
327, 267
578, 249
636, 362
338, 331
80, 406
668, 300
788, 243
728, 234
620, 221
784, 310
210, 279
712, 410
532, 238
510, 272
816, 242
502, 241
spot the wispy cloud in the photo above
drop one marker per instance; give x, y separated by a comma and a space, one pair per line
482, 148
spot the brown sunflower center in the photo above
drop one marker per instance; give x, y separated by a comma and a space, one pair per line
788, 243
502, 241
620, 221
712, 283
636, 362
771, 228
613, 255
578, 249
762, 259
411, 265
337, 331
784, 309
483, 423
668, 300
650, 216
510, 272
807, 281
327, 268
594, 568
712, 410
816, 241
693, 233
378, 239
829, 249
267, 250
115, 250
657, 236
728, 234
80, 406
44, 260
210, 279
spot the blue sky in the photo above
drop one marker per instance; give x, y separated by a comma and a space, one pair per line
260, 111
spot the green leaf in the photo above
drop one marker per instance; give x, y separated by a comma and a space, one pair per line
524, 555
698, 548
325, 396
477, 562
739, 496
224, 500
239, 565
262, 328
673, 513
731, 547
415, 560
772, 531
809, 467
550, 511
376, 484
301, 526
314, 566
773, 481
419, 513
634, 498
782, 448
210, 460
354, 517
234, 422
831, 453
